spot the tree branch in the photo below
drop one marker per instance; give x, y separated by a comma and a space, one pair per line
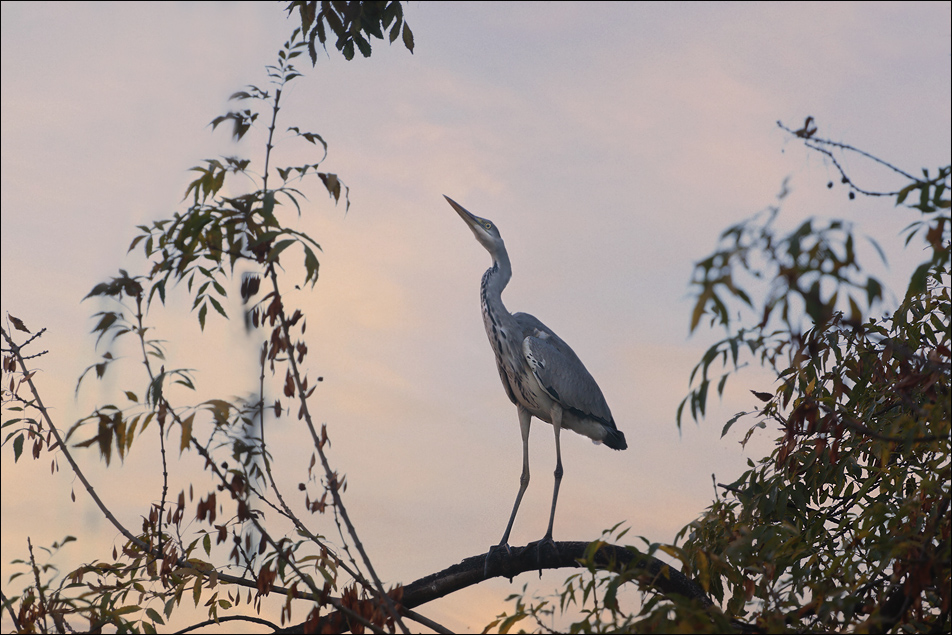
230, 618
332, 482
475, 569
661, 576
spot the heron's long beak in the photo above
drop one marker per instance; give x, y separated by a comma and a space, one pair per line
470, 219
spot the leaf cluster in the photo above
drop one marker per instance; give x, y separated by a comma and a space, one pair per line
203, 244
353, 23
812, 271
845, 524
212, 548
595, 602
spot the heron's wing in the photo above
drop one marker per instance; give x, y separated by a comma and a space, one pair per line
561, 373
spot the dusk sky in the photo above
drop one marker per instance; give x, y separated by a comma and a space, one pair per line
611, 143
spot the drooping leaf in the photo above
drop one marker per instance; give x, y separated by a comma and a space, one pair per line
407, 37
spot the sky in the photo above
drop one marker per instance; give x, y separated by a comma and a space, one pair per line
611, 143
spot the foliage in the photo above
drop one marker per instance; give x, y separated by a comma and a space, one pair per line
353, 23
845, 526
222, 555
594, 596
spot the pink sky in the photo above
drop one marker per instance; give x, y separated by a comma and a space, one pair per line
611, 143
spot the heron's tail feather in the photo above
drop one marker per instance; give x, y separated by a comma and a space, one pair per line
615, 439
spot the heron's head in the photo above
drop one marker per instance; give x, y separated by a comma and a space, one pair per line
484, 229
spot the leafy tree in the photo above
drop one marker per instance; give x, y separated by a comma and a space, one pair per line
224, 555
225, 234
845, 525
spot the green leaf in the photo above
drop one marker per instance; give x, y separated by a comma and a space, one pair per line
154, 615
874, 291
699, 307
311, 266
700, 401
218, 307
720, 384
332, 183
730, 422
511, 621
155, 388
186, 432
362, 45
108, 319
18, 447
267, 207
135, 241
278, 248
904, 192
917, 284
105, 438
160, 287
197, 589
407, 37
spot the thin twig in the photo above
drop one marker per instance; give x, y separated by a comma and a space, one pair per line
354, 573
39, 587
331, 477
814, 143
69, 457
315, 596
8, 605
161, 422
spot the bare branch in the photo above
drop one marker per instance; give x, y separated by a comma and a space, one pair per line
815, 143
657, 574
230, 618
332, 483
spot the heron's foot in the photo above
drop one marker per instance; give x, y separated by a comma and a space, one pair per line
493, 551
545, 543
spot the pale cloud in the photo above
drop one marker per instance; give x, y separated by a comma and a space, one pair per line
611, 143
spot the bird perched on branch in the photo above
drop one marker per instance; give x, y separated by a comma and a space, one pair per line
541, 373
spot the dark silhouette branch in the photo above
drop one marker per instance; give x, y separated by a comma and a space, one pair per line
473, 570
230, 618
8, 605
332, 483
815, 143
658, 575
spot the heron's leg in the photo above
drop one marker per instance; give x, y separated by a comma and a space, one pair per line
557, 426
524, 419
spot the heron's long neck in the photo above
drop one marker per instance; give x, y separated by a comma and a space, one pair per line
494, 281
501, 327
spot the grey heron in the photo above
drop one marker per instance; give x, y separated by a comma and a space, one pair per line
542, 375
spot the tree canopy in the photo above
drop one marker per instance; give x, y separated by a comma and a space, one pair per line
844, 526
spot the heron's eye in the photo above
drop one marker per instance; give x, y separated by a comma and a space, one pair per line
488, 225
